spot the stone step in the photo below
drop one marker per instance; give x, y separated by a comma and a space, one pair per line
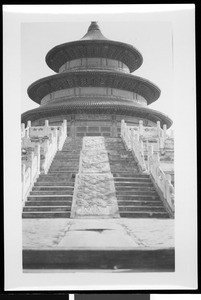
139, 203
141, 208
46, 208
125, 180
148, 197
54, 183
143, 214
63, 192
128, 184
135, 193
38, 215
126, 175
50, 198
65, 161
48, 203
134, 188
61, 169
53, 188
67, 154
56, 176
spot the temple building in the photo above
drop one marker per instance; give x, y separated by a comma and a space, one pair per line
97, 164
93, 88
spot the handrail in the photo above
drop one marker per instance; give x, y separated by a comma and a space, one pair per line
133, 140
30, 171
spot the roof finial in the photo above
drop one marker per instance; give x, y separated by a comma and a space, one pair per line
94, 32
93, 26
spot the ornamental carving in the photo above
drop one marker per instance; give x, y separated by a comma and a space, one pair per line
94, 143
95, 196
94, 161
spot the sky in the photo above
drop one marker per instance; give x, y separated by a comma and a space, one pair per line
152, 39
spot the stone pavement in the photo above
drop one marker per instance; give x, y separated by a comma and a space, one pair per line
98, 233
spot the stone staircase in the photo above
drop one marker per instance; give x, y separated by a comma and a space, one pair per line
51, 196
136, 194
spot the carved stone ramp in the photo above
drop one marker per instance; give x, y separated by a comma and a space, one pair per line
94, 193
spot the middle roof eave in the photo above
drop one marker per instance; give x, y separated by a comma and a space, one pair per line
84, 78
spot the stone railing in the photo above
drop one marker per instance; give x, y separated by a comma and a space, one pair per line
30, 170
162, 180
137, 141
48, 139
37, 132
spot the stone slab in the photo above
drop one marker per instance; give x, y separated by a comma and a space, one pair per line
138, 233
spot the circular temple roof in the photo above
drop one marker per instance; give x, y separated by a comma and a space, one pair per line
94, 44
98, 78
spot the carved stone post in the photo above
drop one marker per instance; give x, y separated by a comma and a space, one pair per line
164, 131
65, 127
37, 153
23, 180
26, 133
46, 127
141, 129
158, 128
150, 153
22, 129
132, 137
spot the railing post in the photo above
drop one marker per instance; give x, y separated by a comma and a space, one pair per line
168, 176
164, 130
65, 127
23, 179
22, 129
31, 165
150, 153
122, 128
37, 153
26, 133
46, 127
158, 128
141, 129
132, 138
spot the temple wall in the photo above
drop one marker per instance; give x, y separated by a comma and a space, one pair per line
94, 62
93, 124
94, 91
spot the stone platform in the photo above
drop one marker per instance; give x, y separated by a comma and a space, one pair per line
145, 244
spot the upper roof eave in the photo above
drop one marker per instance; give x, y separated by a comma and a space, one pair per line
135, 54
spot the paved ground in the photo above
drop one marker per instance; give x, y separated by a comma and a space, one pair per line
98, 234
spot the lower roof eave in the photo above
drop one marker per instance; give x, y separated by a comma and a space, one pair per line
132, 111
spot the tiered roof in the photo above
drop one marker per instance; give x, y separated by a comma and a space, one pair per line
94, 44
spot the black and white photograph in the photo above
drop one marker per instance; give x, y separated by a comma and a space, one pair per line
103, 122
